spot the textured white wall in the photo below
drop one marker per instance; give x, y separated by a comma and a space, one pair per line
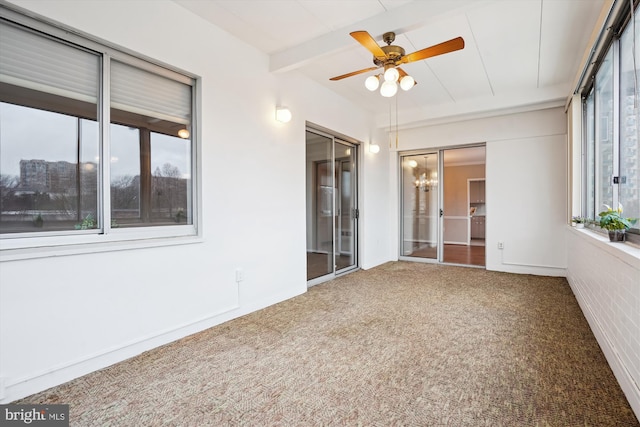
526, 205
63, 316
605, 278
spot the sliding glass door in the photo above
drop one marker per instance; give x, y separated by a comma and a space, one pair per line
420, 206
346, 213
443, 205
332, 214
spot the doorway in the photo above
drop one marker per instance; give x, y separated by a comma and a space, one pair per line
443, 206
464, 206
332, 206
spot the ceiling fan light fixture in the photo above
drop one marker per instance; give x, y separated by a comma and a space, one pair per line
372, 82
391, 57
407, 82
388, 89
391, 75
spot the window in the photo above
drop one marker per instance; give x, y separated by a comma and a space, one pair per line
604, 123
150, 163
48, 132
80, 154
612, 118
629, 187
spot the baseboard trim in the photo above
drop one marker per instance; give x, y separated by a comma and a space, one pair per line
528, 269
18, 388
630, 389
56, 375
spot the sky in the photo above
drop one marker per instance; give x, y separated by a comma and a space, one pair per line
27, 134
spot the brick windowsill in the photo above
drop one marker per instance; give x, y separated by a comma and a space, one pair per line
627, 252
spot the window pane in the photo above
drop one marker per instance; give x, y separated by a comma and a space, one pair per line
151, 148
125, 175
604, 133
171, 182
590, 136
49, 170
49, 140
629, 120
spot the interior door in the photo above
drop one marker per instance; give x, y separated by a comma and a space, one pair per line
420, 216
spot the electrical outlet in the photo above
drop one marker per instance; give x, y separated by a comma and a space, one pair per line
500, 245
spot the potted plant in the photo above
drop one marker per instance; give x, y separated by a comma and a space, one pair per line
87, 223
579, 221
180, 216
613, 221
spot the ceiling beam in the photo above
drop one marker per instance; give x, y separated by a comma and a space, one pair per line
399, 20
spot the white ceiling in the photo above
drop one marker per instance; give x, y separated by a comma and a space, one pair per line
518, 53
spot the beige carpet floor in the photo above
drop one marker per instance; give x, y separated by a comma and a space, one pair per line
403, 344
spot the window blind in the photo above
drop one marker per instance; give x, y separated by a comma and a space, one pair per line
33, 61
142, 92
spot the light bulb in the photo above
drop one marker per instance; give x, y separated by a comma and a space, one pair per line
388, 89
374, 148
391, 75
407, 82
372, 83
183, 133
412, 163
283, 114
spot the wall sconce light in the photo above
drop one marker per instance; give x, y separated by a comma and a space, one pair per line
374, 148
283, 114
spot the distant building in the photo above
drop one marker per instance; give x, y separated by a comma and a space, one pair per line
33, 175
56, 177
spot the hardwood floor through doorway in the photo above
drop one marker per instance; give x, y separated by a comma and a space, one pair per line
463, 254
455, 254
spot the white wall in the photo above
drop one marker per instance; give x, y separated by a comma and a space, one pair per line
526, 172
64, 316
604, 277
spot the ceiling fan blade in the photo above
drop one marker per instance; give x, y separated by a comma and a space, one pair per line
365, 39
404, 73
353, 73
438, 49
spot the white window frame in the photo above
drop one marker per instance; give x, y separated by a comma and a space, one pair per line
53, 243
606, 41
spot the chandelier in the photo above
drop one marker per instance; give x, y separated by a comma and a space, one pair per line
391, 78
426, 181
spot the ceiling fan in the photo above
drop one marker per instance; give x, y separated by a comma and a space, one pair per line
391, 57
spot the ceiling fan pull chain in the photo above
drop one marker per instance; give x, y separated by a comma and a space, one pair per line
390, 125
396, 122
